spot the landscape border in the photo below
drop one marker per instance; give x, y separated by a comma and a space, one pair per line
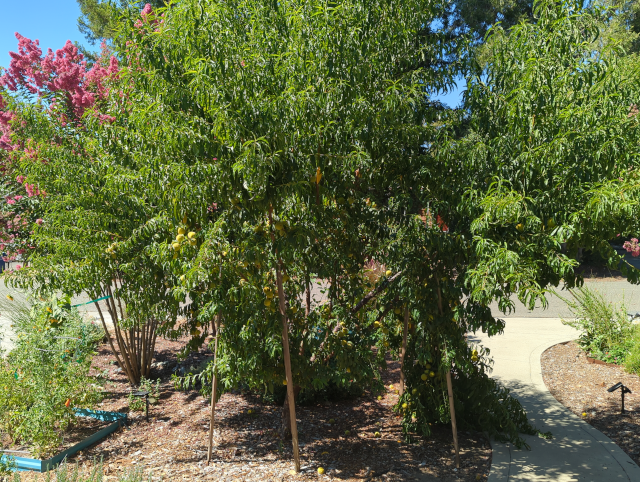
118, 419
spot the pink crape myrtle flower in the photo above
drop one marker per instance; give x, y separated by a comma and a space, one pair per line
24, 68
5, 128
106, 118
632, 247
39, 221
145, 15
33, 190
64, 71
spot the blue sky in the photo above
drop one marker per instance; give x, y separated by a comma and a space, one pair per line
51, 22
454, 98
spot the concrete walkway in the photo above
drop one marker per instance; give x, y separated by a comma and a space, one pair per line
577, 452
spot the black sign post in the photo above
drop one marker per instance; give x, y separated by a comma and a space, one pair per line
146, 399
623, 390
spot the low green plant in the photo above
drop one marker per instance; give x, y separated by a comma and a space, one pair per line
46, 375
632, 362
199, 378
606, 333
138, 404
72, 473
7, 465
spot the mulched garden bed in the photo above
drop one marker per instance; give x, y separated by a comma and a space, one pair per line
582, 387
173, 444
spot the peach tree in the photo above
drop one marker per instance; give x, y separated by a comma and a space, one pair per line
298, 143
542, 160
321, 161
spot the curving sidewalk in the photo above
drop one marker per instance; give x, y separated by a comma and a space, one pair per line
577, 452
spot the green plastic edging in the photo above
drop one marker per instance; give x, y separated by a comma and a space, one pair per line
92, 301
118, 419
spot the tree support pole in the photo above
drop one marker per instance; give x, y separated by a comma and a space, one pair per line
452, 409
404, 347
291, 397
287, 366
214, 389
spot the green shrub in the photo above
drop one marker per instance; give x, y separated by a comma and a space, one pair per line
606, 333
46, 374
7, 465
199, 378
632, 362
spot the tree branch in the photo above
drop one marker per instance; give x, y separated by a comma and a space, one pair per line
373, 293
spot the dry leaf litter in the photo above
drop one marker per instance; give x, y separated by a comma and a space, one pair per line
172, 445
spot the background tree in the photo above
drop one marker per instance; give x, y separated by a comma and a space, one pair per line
99, 19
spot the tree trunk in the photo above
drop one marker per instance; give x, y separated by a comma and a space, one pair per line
287, 367
285, 429
307, 306
404, 347
134, 348
452, 410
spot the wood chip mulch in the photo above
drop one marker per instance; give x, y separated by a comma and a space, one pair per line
582, 388
172, 445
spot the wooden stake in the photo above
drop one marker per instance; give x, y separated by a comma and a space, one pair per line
307, 306
452, 410
404, 347
214, 390
287, 367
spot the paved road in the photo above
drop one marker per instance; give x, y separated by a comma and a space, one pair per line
19, 298
89, 310
577, 452
613, 290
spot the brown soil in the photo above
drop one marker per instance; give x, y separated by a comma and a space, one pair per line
582, 388
172, 445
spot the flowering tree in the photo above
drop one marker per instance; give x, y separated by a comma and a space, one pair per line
632, 247
52, 107
55, 78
